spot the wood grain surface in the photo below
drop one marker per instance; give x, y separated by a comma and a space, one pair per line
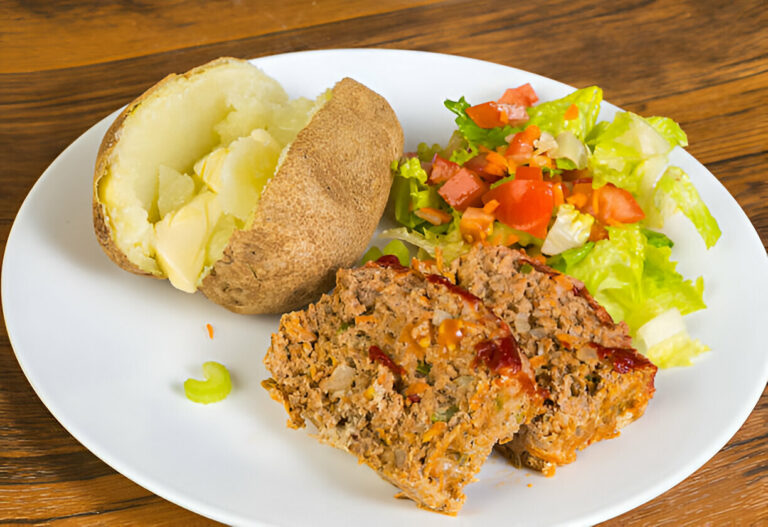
65, 65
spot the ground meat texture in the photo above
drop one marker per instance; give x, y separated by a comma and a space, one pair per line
595, 383
387, 368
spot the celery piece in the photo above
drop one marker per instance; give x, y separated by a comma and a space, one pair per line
214, 388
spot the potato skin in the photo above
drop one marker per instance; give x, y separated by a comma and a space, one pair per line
319, 211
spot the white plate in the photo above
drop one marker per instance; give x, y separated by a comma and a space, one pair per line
107, 351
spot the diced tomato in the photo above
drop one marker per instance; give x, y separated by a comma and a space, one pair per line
464, 189
526, 172
609, 204
521, 146
487, 115
523, 95
516, 113
598, 232
616, 205
488, 171
442, 170
574, 175
524, 204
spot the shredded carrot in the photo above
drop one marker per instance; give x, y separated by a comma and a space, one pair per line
417, 388
532, 132
496, 160
439, 258
476, 224
596, 201
578, 200
363, 319
210, 330
433, 216
541, 160
571, 113
491, 206
437, 428
566, 340
557, 190
537, 361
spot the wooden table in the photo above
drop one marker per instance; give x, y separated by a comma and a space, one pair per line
64, 67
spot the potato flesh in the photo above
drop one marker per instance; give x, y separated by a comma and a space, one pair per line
190, 165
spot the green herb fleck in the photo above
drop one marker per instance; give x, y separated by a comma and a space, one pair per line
423, 368
526, 268
444, 414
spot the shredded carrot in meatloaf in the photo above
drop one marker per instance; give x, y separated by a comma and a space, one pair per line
364, 319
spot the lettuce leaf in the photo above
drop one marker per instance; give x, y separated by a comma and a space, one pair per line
669, 130
548, 116
620, 149
677, 350
676, 185
451, 243
613, 271
570, 258
665, 341
410, 192
634, 279
487, 137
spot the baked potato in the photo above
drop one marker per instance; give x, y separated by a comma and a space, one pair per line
218, 181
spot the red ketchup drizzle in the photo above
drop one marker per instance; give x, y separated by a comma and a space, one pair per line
624, 359
463, 293
376, 355
391, 261
500, 355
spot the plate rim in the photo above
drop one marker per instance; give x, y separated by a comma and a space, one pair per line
211, 511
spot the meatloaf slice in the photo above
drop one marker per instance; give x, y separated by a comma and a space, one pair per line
411, 374
596, 382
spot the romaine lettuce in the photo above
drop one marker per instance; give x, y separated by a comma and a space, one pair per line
634, 279
410, 192
487, 137
549, 116
620, 148
665, 341
676, 185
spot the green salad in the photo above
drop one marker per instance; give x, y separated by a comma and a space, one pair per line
588, 198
